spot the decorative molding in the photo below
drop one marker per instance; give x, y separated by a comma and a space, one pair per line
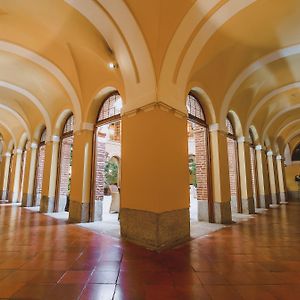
156, 105
213, 127
55, 138
87, 126
34, 146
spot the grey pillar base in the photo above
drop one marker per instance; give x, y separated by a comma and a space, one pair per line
282, 197
223, 212
98, 210
78, 212
264, 201
4, 195
37, 200
234, 204
248, 206
61, 205
47, 204
155, 231
10, 196
274, 205
27, 200
203, 210
274, 199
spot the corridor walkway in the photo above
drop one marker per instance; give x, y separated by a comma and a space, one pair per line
45, 258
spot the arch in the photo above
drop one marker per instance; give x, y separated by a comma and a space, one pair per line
9, 131
51, 68
268, 97
255, 136
280, 113
17, 116
10, 146
117, 25
31, 98
95, 104
287, 155
185, 48
194, 108
235, 120
23, 140
206, 104
267, 59
61, 120
285, 127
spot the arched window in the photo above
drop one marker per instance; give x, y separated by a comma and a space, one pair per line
199, 168
105, 169
233, 165
65, 166
40, 168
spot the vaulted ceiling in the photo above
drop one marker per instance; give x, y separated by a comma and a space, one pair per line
239, 56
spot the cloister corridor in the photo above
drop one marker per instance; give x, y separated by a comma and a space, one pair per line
45, 258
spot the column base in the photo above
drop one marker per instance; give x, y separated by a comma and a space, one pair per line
248, 206
203, 210
61, 205
274, 199
282, 197
37, 200
234, 205
223, 212
264, 201
98, 210
27, 200
47, 204
283, 202
155, 231
79, 212
274, 205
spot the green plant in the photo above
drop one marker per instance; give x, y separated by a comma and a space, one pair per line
111, 170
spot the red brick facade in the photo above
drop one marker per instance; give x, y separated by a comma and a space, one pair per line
232, 163
253, 174
40, 170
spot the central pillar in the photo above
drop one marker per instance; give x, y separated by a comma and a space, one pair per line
15, 176
248, 206
5, 177
155, 177
220, 175
272, 179
262, 178
49, 176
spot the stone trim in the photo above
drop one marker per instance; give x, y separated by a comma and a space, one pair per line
223, 212
155, 231
248, 206
78, 212
47, 204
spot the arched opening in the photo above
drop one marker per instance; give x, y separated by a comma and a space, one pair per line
253, 169
65, 166
296, 153
39, 171
107, 154
233, 166
201, 206
22, 172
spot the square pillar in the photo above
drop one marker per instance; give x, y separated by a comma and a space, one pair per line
49, 176
247, 199
220, 175
282, 193
155, 177
272, 179
262, 178
30, 167
5, 177
13, 194
80, 195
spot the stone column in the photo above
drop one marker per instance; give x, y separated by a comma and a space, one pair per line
262, 178
276, 179
220, 175
27, 199
248, 206
11, 176
5, 177
15, 176
49, 177
80, 195
282, 193
272, 179
155, 177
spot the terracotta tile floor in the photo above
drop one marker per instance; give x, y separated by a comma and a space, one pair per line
45, 258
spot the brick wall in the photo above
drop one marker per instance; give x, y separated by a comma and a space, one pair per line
100, 158
200, 135
40, 170
232, 162
65, 165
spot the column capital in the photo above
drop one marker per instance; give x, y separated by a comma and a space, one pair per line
18, 151
279, 157
55, 138
7, 154
241, 139
86, 126
214, 127
34, 146
269, 153
258, 147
